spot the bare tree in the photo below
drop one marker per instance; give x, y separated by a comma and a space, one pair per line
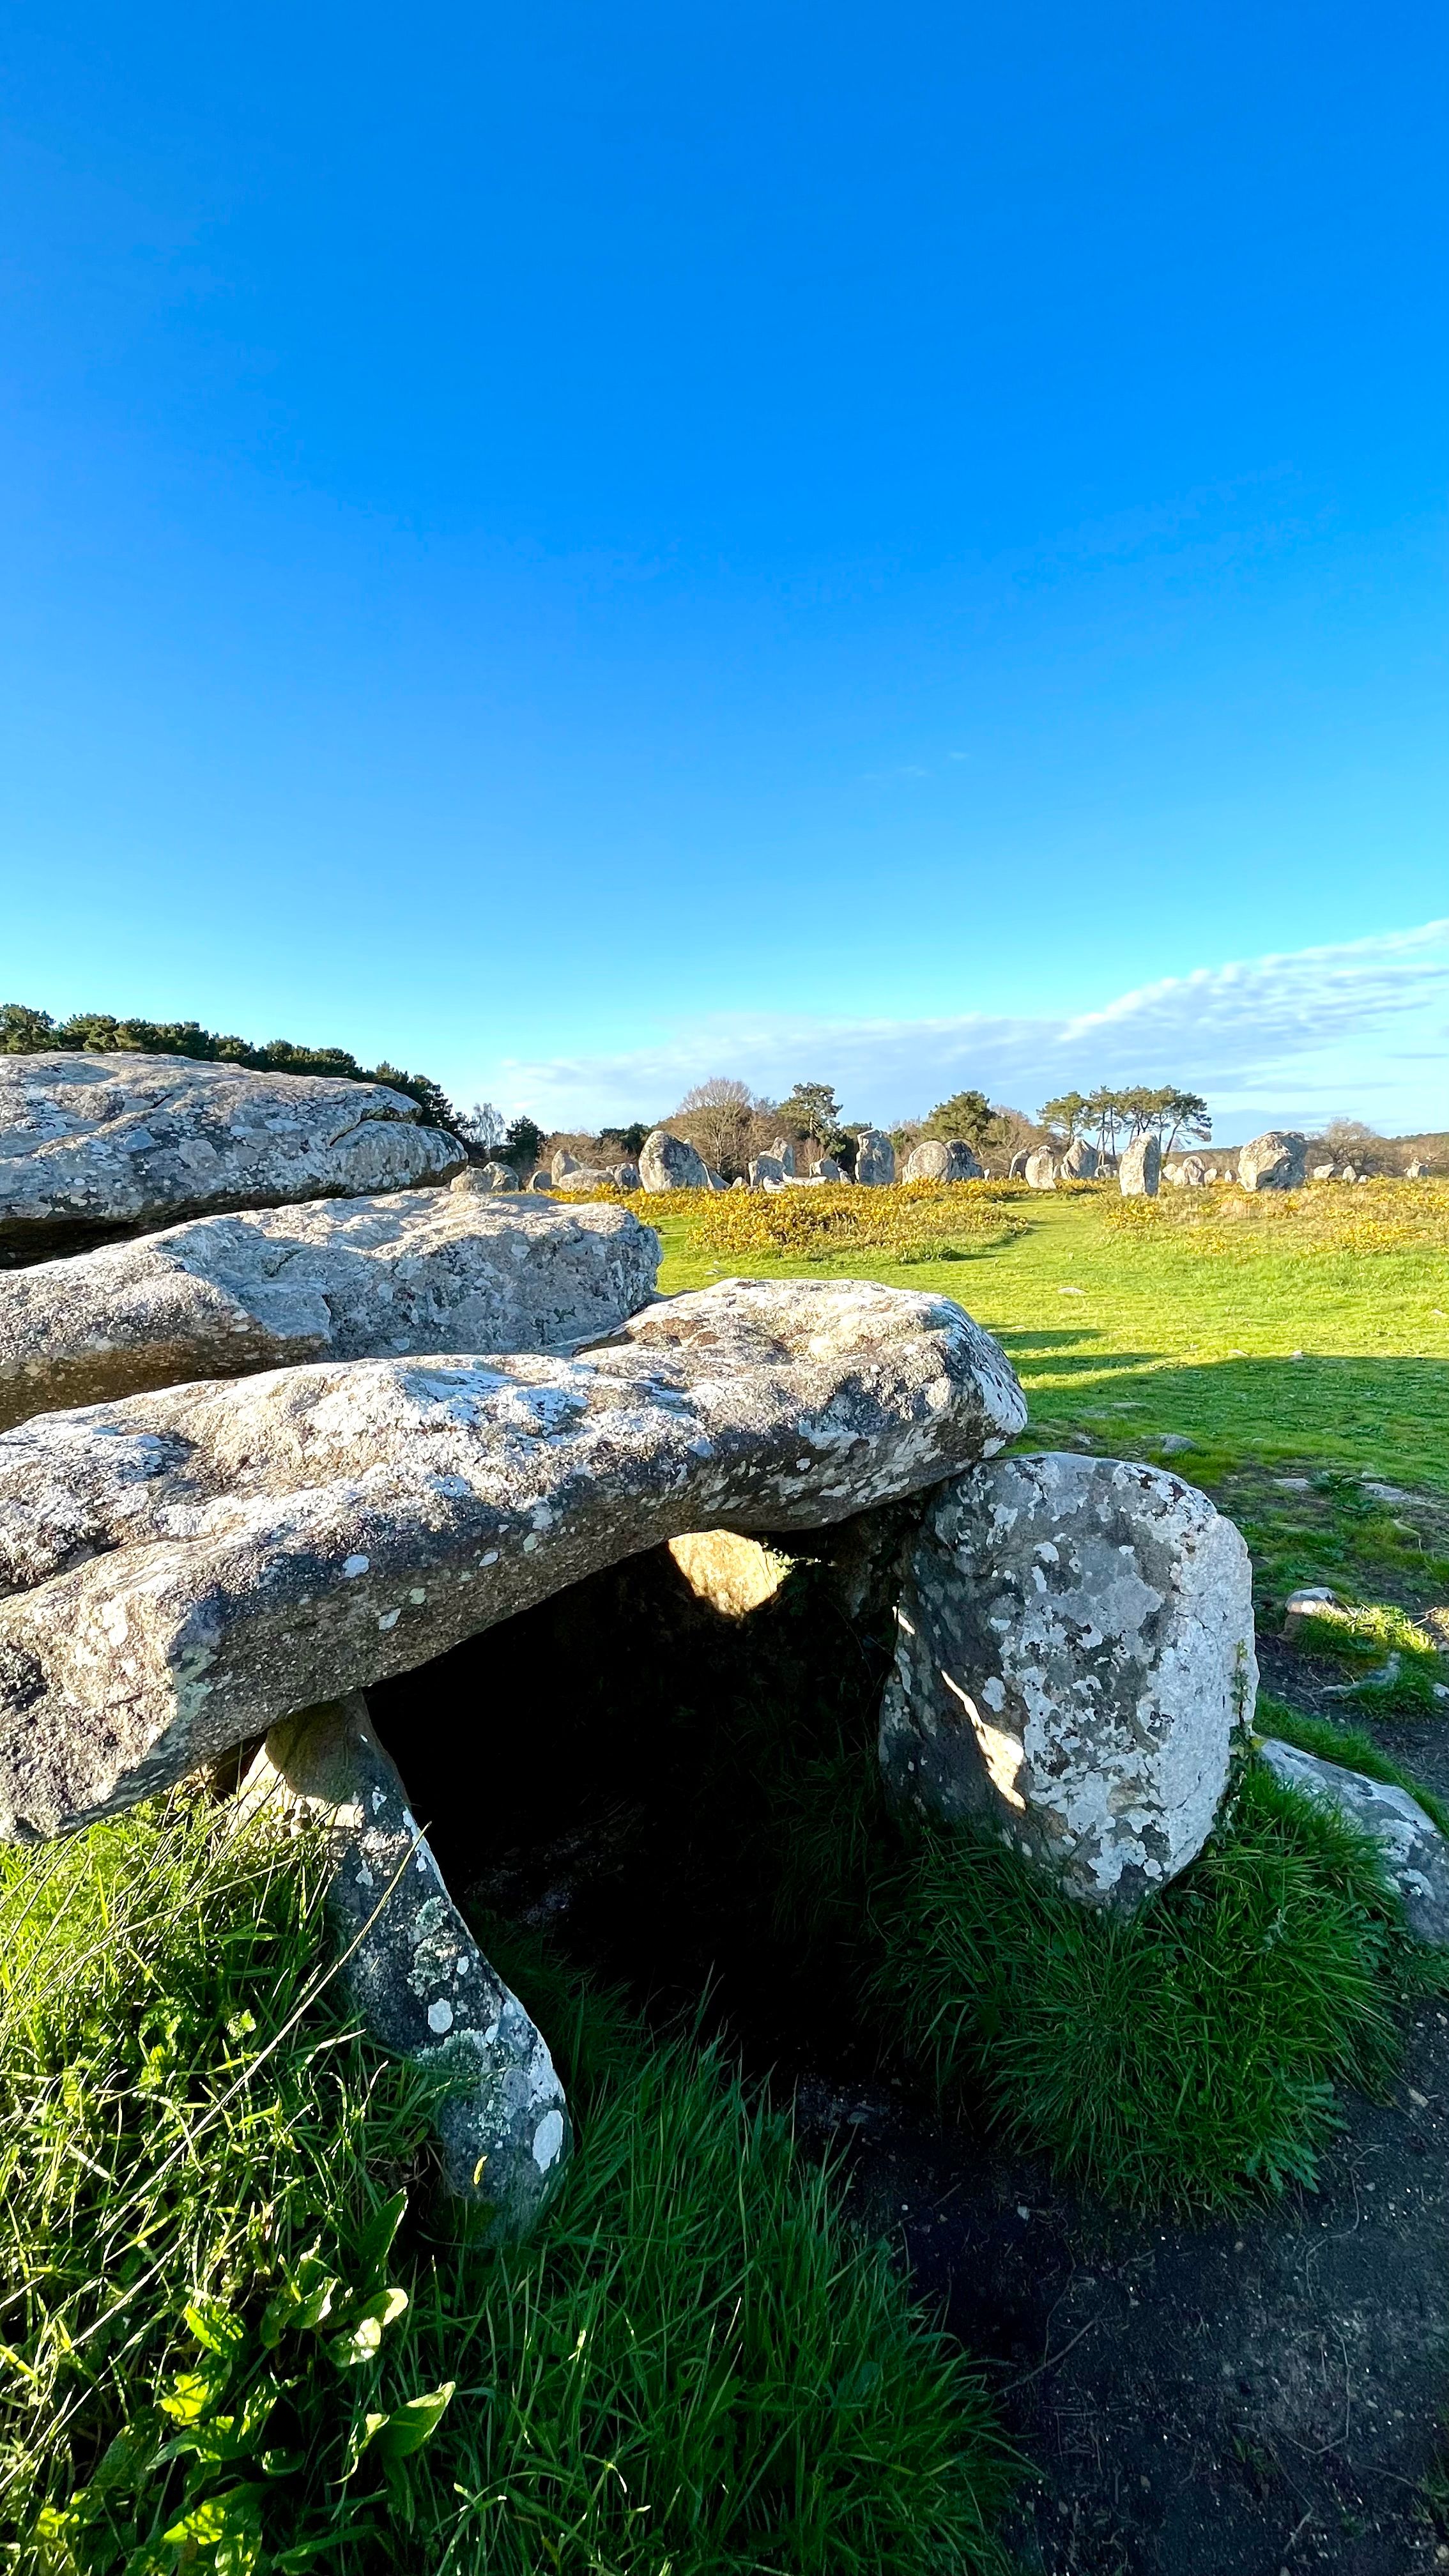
718, 1118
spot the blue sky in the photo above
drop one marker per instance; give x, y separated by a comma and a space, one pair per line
579, 549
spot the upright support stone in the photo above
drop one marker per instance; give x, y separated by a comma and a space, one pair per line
1075, 1667
412, 1968
1139, 1173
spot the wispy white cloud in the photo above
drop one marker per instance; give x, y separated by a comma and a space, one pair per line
1361, 1026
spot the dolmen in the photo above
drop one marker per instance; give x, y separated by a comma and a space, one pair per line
323, 1443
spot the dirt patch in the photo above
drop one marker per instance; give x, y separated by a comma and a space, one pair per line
1195, 2400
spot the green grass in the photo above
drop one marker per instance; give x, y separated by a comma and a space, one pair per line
1184, 2055
1124, 1338
693, 2367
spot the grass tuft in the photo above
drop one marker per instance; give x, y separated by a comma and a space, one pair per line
1184, 2055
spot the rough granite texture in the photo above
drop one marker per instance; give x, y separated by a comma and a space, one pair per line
413, 1969
187, 1567
1079, 1162
140, 1140
424, 1270
875, 1158
1039, 1171
485, 1181
1415, 1853
935, 1161
1076, 1665
1139, 1172
667, 1163
1275, 1161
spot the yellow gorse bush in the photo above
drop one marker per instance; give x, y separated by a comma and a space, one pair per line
1359, 1218
913, 1221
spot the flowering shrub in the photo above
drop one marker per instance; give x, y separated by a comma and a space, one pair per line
913, 1221
1328, 1216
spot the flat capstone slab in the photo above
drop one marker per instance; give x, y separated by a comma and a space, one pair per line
180, 1570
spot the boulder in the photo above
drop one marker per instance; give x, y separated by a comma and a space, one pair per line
1040, 1171
765, 1171
827, 1169
424, 1270
1192, 1172
180, 1571
1139, 1170
1416, 1171
1079, 1162
1016, 1168
1415, 1853
667, 1163
563, 1164
90, 1143
486, 1180
934, 1161
626, 1176
784, 1153
541, 1182
1075, 1667
584, 1180
412, 1969
875, 1158
1275, 1161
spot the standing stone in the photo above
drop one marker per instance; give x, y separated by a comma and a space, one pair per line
1414, 1851
784, 1153
412, 1969
133, 1142
1416, 1171
180, 1571
421, 1270
1139, 1172
1275, 1161
765, 1171
626, 1175
1040, 1171
541, 1182
1079, 1162
485, 1180
563, 1164
1016, 1168
827, 1169
667, 1163
1192, 1172
1076, 1666
934, 1161
875, 1159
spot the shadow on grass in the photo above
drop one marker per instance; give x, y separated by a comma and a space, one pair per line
1388, 1416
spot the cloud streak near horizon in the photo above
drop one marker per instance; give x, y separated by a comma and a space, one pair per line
1316, 1031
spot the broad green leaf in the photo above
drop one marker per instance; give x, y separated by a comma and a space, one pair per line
231, 2516
215, 2326
408, 2427
193, 2393
363, 2338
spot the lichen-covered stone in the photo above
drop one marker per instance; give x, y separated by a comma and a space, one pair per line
1139, 1171
1079, 1162
765, 1171
485, 1181
1274, 1161
1075, 1665
667, 1163
935, 1161
187, 1567
1415, 1853
875, 1159
423, 1270
1039, 1170
136, 1141
412, 1969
